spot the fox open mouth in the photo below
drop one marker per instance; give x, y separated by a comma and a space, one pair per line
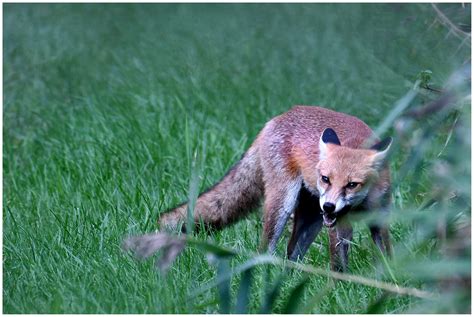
329, 220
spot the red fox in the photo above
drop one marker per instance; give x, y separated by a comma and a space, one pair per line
312, 162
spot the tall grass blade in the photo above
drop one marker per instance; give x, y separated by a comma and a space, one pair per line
400, 106
192, 194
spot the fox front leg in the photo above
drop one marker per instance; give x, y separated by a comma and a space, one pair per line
280, 202
307, 223
340, 238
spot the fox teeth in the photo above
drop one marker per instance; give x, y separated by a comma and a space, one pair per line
328, 222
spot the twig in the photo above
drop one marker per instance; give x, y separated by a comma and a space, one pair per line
452, 27
268, 259
431, 89
435, 106
146, 245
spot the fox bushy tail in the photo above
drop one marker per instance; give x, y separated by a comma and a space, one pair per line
232, 198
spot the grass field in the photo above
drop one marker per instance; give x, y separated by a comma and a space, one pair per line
105, 105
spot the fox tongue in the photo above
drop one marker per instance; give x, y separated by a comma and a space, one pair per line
328, 221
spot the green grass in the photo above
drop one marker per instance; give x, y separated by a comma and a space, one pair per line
105, 105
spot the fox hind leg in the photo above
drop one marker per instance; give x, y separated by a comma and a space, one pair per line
307, 223
379, 230
381, 237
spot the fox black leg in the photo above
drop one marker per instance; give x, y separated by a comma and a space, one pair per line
307, 223
381, 237
379, 230
340, 238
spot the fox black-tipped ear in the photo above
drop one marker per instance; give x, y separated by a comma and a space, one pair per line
382, 145
382, 149
328, 136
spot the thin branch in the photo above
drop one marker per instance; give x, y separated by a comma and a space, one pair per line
435, 106
452, 27
145, 246
268, 259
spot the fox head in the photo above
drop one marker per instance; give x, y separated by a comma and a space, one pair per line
345, 175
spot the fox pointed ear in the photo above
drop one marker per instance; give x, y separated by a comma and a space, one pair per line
382, 149
328, 136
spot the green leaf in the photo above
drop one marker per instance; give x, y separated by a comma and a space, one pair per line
316, 299
271, 293
376, 306
215, 249
294, 300
223, 269
243, 295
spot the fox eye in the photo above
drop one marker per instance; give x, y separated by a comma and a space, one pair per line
325, 179
352, 185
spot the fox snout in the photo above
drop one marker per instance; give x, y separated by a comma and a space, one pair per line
329, 220
329, 207
329, 217
330, 212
